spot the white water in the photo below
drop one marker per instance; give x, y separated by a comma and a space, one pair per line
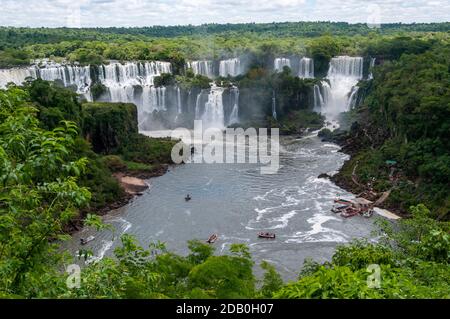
280, 63
274, 106
69, 75
121, 80
343, 75
214, 115
197, 105
153, 99
202, 67
179, 109
353, 97
318, 99
15, 75
234, 117
372, 64
306, 68
230, 67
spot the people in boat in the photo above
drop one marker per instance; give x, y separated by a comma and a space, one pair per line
188, 197
212, 239
84, 241
266, 235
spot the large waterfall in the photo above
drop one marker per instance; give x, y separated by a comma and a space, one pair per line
280, 63
69, 75
134, 82
230, 67
15, 75
204, 68
306, 68
214, 114
121, 80
343, 75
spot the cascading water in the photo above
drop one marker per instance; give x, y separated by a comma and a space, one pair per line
214, 115
15, 75
274, 105
204, 68
280, 63
133, 82
343, 74
198, 106
152, 99
318, 99
179, 109
230, 67
372, 64
69, 75
120, 79
353, 97
306, 68
234, 117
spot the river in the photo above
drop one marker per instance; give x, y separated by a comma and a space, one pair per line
236, 202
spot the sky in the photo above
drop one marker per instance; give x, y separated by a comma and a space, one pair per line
128, 13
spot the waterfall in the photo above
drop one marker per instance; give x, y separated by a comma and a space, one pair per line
343, 74
69, 75
230, 67
234, 117
318, 99
197, 106
15, 75
131, 73
179, 110
133, 82
204, 68
274, 105
153, 99
352, 98
119, 79
372, 64
213, 115
306, 68
280, 63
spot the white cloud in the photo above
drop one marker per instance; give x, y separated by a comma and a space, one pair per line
91, 13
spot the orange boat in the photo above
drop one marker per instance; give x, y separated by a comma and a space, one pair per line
350, 212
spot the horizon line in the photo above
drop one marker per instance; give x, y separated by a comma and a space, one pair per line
215, 23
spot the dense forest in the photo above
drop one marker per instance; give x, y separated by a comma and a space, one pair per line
176, 44
403, 117
59, 154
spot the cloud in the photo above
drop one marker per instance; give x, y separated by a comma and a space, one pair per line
103, 13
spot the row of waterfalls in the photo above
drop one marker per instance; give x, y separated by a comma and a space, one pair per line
304, 67
133, 82
225, 68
